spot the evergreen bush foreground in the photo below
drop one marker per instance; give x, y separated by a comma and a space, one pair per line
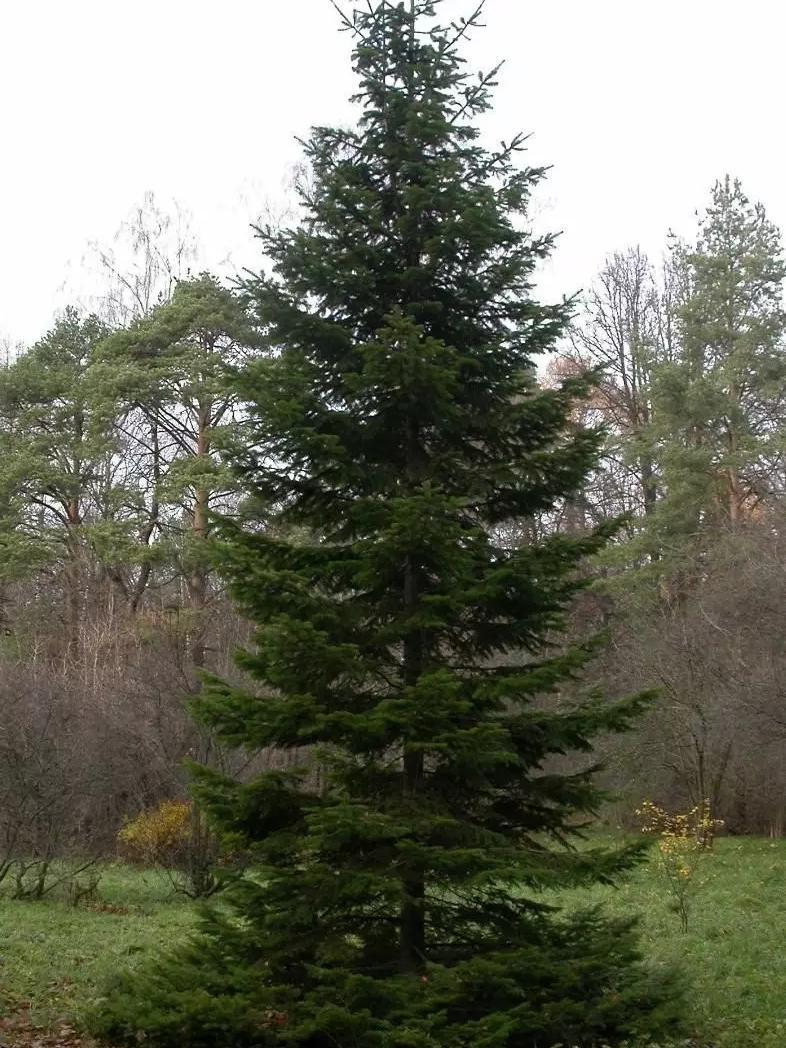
398, 427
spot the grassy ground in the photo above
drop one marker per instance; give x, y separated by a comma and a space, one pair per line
56, 957
734, 952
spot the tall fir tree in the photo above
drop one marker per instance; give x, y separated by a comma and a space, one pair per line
400, 645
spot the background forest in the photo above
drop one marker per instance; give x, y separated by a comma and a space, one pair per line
111, 432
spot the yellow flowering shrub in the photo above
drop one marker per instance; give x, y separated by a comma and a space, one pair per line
174, 839
683, 839
158, 836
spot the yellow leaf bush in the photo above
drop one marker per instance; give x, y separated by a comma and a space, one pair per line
683, 839
158, 836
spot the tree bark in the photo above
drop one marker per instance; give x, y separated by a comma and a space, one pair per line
412, 942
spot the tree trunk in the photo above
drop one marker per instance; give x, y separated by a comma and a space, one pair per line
73, 581
412, 941
150, 526
197, 582
412, 917
648, 485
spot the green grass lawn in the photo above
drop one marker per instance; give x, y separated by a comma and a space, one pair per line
734, 952
56, 957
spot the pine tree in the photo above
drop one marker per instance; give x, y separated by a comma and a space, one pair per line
400, 643
165, 376
55, 488
719, 400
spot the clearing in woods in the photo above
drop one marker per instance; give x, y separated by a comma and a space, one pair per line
54, 958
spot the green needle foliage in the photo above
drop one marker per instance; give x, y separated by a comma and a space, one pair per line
719, 401
166, 375
398, 427
51, 450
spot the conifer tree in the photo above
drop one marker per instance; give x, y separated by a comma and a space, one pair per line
401, 645
718, 402
166, 375
55, 488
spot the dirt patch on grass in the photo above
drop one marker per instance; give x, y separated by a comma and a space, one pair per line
18, 1031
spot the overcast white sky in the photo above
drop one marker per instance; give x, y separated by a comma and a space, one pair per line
638, 104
